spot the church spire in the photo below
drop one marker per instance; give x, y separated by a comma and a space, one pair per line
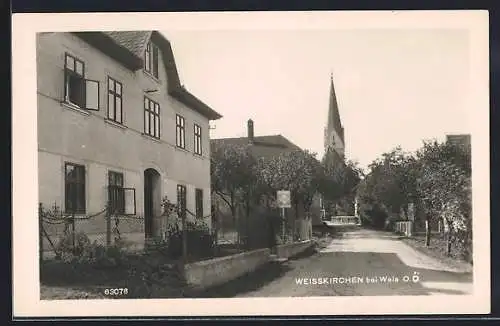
333, 112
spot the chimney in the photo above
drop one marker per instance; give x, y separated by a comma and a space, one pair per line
250, 130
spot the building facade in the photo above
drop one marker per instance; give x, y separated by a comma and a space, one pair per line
116, 128
459, 139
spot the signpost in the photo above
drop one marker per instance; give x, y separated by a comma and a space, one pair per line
283, 199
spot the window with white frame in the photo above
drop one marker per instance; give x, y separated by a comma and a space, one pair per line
197, 139
151, 118
74, 188
115, 101
79, 91
116, 193
180, 128
151, 59
199, 202
181, 200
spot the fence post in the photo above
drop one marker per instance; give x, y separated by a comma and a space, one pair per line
108, 225
73, 226
184, 236
410, 227
40, 235
283, 224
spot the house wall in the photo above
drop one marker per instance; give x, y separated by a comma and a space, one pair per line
87, 138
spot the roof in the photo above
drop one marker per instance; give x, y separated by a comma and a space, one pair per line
134, 41
128, 47
333, 112
459, 139
262, 146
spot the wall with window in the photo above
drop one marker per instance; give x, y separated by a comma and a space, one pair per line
102, 140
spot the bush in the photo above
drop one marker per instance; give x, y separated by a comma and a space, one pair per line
73, 245
200, 242
374, 216
85, 252
260, 230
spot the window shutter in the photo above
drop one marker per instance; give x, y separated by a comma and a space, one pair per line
129, 198
92, 95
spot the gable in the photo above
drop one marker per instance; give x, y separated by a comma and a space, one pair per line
128, 47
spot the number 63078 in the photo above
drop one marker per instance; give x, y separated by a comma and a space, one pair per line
116, 291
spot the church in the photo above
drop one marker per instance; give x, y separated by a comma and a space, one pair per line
334, 153
334, 141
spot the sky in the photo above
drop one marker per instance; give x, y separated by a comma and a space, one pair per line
394, 86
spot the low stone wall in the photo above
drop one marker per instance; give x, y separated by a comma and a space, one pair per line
207, 273
292, 249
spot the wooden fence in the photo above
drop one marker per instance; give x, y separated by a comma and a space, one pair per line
404, 227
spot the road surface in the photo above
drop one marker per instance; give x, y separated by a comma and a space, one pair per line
359, 262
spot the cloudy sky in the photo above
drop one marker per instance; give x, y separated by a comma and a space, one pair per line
394, 86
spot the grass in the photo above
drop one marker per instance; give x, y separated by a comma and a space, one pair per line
150, 275
143, 276
436, 249
68, 293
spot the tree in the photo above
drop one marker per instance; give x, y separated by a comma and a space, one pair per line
437, 178
233, 172
352, 177
297, 171
444, 185
389, 186
340, 179
334, 169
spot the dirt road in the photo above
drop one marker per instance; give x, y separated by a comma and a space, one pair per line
359, 262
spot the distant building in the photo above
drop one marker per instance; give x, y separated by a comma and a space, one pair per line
261, 146
334, 146
459, 139
334, 130
267, 146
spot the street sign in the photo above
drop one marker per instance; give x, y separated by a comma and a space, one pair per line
283, 199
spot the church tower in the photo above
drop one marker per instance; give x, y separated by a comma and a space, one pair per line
334, 131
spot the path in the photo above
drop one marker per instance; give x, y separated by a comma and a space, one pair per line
360, 262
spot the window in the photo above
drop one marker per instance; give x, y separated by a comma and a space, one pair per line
151, 59
197, 139
199, 203
74, 188
180, 129
116, 193
115, 101
181, 200
151, 118
81, 92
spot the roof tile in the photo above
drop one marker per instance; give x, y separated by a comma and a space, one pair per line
134, 41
